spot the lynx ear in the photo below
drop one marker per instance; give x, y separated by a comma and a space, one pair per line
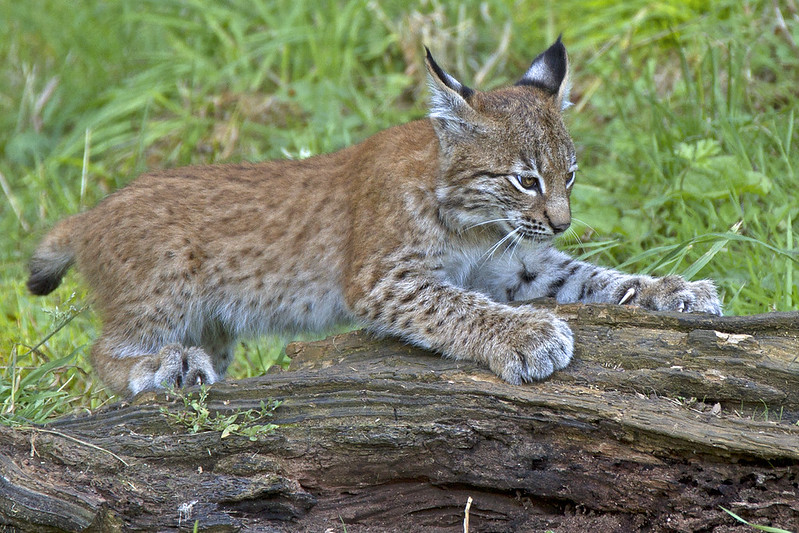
449, 99
550, 71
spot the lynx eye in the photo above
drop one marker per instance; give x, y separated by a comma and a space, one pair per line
572, 176
530, 183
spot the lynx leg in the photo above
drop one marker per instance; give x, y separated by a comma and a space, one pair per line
544, 271
518, 344
173, 365
219, 344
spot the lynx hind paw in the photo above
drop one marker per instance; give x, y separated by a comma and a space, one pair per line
173, 366
673, 293
546, 347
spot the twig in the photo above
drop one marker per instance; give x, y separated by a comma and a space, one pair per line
466, 515
57, 329
77, 440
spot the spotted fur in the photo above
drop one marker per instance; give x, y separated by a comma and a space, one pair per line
425, 231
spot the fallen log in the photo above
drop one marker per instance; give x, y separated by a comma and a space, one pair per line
661, 420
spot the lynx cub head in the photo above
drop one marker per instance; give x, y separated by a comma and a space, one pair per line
508, 163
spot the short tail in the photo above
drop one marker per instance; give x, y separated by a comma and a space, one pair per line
52, 258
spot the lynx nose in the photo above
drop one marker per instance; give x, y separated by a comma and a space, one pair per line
558, 214
560, 227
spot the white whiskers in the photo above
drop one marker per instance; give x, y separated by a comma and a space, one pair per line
517, 241
572, 232
490, 252
483, 223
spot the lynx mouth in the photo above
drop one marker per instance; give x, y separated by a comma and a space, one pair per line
523, 232
519, 230
533, 234
537, 237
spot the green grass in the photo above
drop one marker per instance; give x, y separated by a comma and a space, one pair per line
684, 118
757, 527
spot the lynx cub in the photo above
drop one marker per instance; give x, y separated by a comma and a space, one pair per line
424, 231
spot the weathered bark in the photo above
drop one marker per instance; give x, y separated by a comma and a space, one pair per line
660, 420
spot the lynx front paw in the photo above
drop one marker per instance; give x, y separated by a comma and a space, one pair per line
173, 366
538, 349
671, 293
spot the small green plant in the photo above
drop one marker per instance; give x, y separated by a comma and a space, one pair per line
765, 410
196, 416
769, 529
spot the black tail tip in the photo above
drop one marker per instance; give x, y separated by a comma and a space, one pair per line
41, 284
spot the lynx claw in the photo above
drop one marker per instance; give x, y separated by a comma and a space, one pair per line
197, 368
699, 297
627, 295
672, 293
173, 366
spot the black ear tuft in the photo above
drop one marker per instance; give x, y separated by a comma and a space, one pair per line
449, 81
549, 70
